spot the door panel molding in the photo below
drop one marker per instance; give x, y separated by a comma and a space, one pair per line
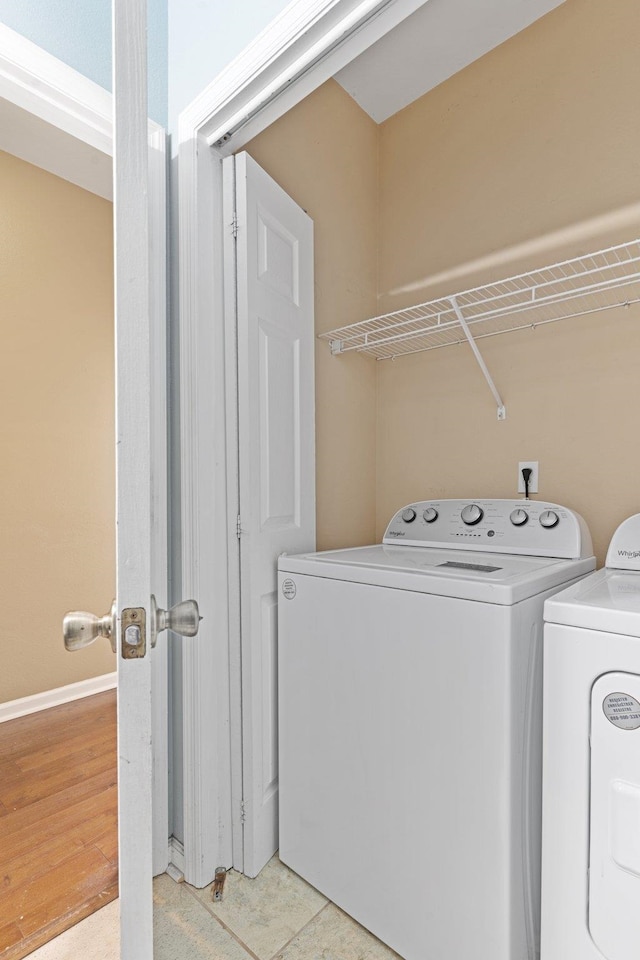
269, 695
279, 460
281, 276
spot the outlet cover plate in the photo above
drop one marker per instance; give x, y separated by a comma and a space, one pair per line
533, 480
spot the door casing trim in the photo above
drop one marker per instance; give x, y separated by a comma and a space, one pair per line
305, 46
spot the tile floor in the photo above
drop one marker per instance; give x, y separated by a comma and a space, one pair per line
277, 916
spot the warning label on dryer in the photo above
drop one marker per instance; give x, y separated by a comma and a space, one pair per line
622, 710
289, 589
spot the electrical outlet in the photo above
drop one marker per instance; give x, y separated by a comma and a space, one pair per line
533, 479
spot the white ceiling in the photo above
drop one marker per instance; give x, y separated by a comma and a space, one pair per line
436, 41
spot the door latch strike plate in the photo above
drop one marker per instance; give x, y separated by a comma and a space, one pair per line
218, 884
133, 633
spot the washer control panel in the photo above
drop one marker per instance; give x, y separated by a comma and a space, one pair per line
528, 527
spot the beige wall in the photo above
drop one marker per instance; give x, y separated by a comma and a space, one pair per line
56, 425
324, 154
530, 155
540, 135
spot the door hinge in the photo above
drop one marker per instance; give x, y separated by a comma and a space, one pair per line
234, 226
243, 811
238, 527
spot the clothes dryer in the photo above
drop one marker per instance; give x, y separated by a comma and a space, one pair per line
591, 818
410, 686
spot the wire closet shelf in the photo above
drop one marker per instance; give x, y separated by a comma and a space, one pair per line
598, 281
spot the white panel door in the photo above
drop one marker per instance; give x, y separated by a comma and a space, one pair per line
275, 333
141, 492
137, 382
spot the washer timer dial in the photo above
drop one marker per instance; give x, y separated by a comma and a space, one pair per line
472, 514
519, 517
549, 518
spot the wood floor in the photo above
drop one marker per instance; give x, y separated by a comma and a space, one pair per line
58, 820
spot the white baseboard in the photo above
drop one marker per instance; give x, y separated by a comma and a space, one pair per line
53, 698
176, 860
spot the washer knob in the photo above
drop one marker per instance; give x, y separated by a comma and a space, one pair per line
430, 514
472, 514
409, 515
549, 518
519, 517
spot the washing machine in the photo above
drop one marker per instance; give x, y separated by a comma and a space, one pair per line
410, 701
591, 796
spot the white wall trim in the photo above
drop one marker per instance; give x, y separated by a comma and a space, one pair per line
205, 658
307, 44
176, 859
157, 186
54, 117
13, 709
40, 83
233, 511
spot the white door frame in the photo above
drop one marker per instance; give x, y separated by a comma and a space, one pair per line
68, 131
306, 45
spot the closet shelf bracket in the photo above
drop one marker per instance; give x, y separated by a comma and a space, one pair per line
502, 413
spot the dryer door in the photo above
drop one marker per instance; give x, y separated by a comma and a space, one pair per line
614, 860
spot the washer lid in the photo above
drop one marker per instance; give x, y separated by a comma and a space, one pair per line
488, 577
608, 600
